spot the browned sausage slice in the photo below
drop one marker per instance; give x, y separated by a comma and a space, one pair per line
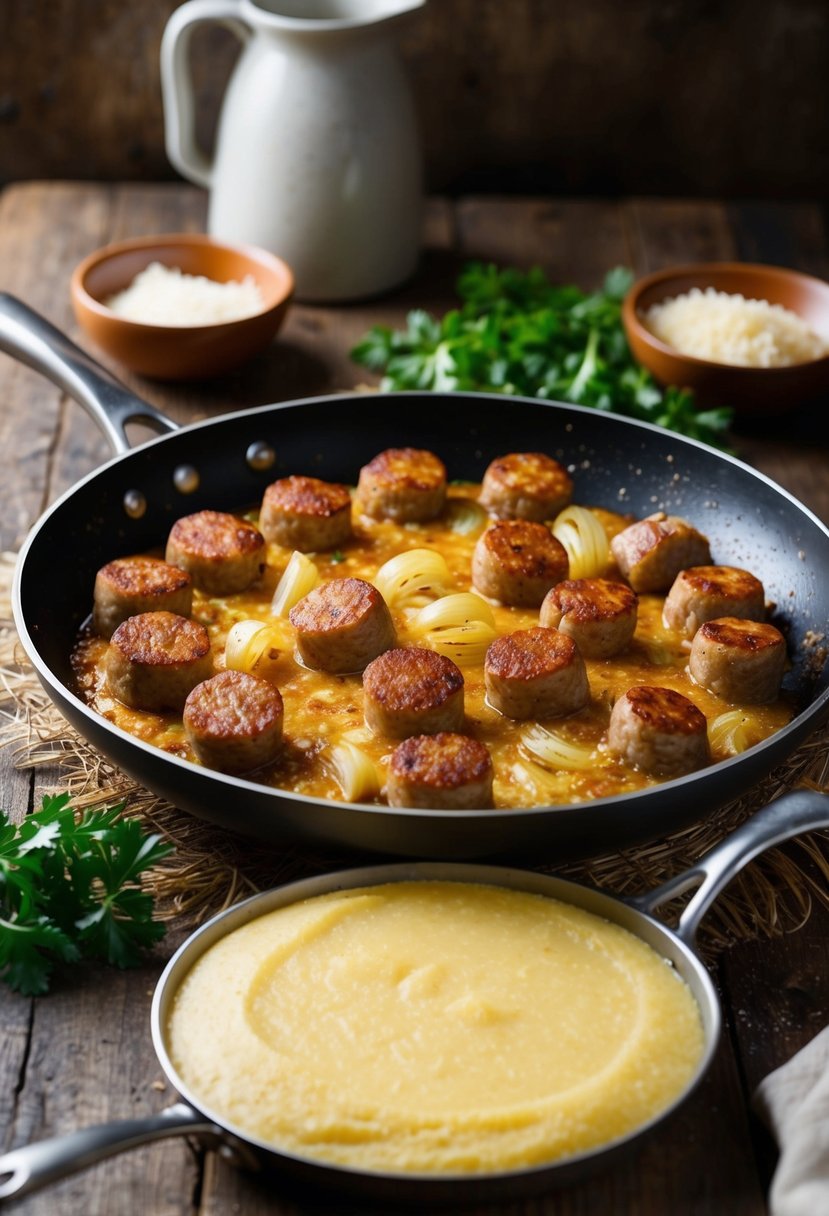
659, 731
535, 673
738, 660
651, 553
409, 691
342, 625
407, 485
131, 585
526, 485
703, 593
156, 658
234, 721
224, 554
442, 772
517, 562
599, 615
305, 513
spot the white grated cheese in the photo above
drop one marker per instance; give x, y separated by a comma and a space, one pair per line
731, 329
163, 295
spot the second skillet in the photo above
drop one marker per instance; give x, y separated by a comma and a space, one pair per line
129, 504
26, 1169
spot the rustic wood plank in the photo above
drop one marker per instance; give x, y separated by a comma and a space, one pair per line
138, 211
90, 1061
82, 1056
795, 235
777, 989
781, 234
667, 232
698, 1163
37, 251
16, 1012
587, 96
785, 978
309, 356
573, 242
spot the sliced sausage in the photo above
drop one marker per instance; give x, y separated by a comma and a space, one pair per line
703, 593
223, 553
659, 731
234, 721
440, 772
156, 658
342, 625
407, 485
599, 615
651, 553
409, 691
517, 561
305, 513
535, 673
740, 661
526, 485
131, 585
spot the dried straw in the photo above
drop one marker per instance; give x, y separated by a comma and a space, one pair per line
211, 868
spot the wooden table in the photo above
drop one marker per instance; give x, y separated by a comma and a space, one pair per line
83, 1054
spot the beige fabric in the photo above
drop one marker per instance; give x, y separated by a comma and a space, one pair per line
794, 1101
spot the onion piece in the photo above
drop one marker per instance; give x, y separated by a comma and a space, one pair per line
585, 540
299, 577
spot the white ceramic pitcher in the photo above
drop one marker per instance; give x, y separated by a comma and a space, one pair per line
317, 152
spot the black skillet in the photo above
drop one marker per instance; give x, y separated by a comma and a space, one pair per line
129, 504
29, 1168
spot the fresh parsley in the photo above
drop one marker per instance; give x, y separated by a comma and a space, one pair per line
69, 890
518, 334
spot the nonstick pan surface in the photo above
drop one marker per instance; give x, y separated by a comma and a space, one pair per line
29, 1168
619, 464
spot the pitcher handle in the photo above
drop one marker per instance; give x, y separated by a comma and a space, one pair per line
177, 83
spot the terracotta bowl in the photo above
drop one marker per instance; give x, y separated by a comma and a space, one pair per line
757, 390
179, 352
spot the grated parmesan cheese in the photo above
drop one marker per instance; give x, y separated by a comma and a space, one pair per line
731, 329
163, 295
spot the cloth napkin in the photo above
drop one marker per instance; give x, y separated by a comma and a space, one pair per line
794, 1101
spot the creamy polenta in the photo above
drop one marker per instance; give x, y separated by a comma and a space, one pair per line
434, 1027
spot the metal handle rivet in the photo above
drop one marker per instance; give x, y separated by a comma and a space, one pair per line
135, 504
260, 455
186, 479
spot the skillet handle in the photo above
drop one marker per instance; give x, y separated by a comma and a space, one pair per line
27, 1169
31, 339
793, 814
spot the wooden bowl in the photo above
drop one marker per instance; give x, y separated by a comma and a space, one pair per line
750, 390
169, 352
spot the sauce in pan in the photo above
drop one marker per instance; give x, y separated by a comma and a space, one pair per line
329, 752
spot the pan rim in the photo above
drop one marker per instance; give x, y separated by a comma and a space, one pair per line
516, 878
802, 724
258, 411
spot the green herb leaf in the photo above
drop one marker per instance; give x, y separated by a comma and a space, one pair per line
516, 333
70, 889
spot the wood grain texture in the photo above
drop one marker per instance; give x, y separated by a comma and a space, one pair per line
564, 96
84, 1054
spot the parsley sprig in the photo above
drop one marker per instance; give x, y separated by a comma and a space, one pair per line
69, 889
518, 334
